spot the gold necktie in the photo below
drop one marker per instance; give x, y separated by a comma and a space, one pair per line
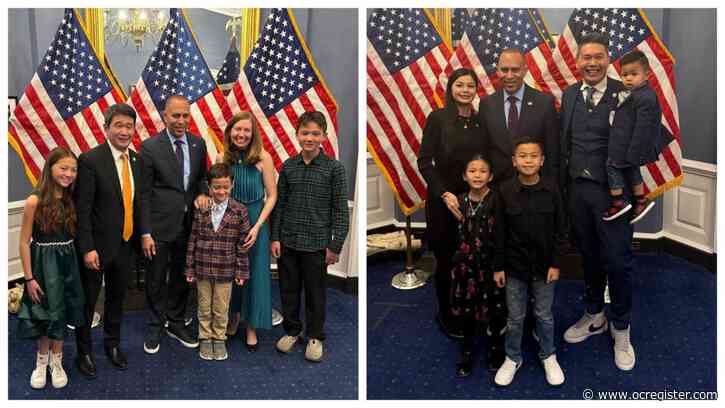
127, 204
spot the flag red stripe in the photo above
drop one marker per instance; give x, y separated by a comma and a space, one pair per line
45, 117
424, 86
408, 97
27, 158
32, 132
93, 125
393, 106
390, 169
395, 143
329, 104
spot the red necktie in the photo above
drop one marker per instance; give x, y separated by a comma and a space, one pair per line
513, 120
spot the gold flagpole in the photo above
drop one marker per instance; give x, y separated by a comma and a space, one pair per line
443, 17
95, 21
249, 33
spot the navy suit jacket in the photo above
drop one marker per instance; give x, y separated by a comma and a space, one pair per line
635, 136
538, 119
99, 202
165, 203
568, 102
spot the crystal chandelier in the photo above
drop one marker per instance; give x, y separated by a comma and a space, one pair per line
134, 25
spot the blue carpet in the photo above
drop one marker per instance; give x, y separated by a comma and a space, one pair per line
673, 332
176, 372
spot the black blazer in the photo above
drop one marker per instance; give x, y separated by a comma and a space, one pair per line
537, 119
99, 202
165, 203
568, 102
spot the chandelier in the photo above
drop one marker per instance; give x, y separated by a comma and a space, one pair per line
134, 25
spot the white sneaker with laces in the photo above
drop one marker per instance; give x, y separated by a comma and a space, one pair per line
554, 375
506, 372
58, 377
587, 326
39, 375
624, 357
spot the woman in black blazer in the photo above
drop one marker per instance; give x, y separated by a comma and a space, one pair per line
451, 136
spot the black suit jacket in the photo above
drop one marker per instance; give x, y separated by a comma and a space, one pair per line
165, 202
99, 202
537, 119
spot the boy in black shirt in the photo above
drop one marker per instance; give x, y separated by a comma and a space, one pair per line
534, 231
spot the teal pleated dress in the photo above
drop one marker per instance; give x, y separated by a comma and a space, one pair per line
55, 267
254, 299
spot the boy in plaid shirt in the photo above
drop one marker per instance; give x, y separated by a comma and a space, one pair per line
215, 257
309, 227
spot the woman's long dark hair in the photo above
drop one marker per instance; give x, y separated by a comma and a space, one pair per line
451, 107
54, 215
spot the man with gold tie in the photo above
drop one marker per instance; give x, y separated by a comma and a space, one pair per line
107, 200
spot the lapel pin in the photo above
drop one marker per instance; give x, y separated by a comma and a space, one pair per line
530, 103
614, 95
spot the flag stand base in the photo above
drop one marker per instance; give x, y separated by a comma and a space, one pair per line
410, 278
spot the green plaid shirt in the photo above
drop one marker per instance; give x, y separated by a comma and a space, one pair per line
311, 212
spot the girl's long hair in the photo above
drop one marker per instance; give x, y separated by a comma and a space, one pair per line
451, 108
253, 152
53, 215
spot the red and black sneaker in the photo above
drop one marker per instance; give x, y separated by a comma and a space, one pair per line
641, 208
617, 209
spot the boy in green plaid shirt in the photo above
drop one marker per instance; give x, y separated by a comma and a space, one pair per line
309, 226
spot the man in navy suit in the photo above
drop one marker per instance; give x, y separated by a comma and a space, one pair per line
605, 246
514, 111
108, 207
175, 166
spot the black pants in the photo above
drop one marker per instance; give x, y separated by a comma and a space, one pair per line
298, 269
116, 274
444, 256
606, 250
166, 297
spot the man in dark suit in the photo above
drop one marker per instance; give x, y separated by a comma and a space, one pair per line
517, 110
175, 166
107, 201
605, 246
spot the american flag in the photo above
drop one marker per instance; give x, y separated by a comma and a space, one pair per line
627, 29
279, 82
229, 72
491, 31
177, 68
64, 102
406, 54
460, 20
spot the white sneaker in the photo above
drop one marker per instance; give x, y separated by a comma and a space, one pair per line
58, 377
588, 325
623, 350
314, 351
554, 375
39, 375
506, 372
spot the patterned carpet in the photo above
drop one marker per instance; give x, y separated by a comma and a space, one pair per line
178, 373
673, 332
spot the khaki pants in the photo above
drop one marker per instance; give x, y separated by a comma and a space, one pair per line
213, 309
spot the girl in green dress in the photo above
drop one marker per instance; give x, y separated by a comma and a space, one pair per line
255, 187
53, 295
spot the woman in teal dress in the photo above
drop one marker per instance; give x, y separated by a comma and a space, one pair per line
255, 187
53, 295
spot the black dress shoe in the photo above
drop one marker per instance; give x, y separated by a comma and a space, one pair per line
448, 330
117, 358
494, 360
86, 365
251, 347
465, 366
